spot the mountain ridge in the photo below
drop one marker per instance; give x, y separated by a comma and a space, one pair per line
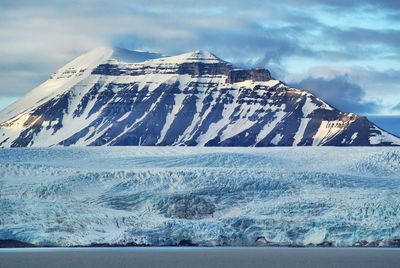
121, 97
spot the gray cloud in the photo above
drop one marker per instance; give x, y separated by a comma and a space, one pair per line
340, 92
362, 37
379, 86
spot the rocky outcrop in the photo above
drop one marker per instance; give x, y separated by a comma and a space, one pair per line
240, 75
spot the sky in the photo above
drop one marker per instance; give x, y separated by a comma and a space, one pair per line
346, 52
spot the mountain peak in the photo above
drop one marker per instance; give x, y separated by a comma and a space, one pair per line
203, 55
193, 56
133, 56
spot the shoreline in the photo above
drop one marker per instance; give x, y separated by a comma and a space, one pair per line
15, 244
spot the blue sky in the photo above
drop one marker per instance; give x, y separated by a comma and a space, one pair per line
347, 53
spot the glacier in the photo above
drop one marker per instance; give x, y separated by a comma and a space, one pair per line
207, 196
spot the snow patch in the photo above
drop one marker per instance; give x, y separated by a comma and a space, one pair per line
309, 106
300, 132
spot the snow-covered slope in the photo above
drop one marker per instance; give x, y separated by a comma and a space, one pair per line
204, 196
121, 97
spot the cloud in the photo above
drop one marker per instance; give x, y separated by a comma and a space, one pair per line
396, 108
378, 86
38, 37
340, 92
375, 40
345, 4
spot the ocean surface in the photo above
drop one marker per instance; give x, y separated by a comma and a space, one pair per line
200, 257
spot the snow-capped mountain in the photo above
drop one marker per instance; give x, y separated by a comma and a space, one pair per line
120, 97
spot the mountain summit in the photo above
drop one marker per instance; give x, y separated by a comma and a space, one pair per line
122, 97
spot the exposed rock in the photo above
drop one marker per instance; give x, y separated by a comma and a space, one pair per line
240, 75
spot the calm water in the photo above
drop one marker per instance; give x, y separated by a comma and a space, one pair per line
201, 257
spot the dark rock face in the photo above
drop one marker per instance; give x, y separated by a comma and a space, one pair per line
240, 75
190, 100
199, 68
192, 68
108, 69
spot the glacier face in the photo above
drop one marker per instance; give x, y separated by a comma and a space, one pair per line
207, 196
120, 97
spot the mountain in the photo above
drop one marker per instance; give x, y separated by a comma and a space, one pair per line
121, 97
